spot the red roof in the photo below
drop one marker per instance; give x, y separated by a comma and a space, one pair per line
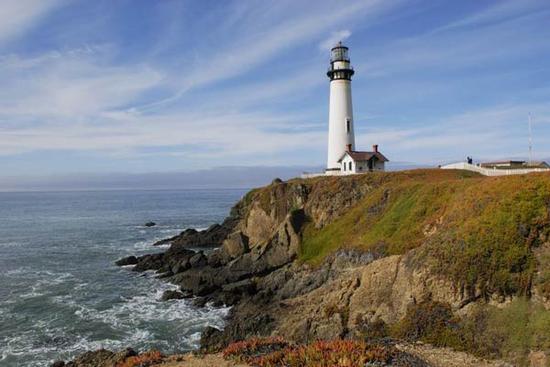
364, 156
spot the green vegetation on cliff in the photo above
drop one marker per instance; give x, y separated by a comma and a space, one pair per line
478, 230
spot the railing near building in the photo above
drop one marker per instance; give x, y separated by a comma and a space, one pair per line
493, 171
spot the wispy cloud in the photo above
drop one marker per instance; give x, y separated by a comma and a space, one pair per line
501, 11
17, 16
72, 84
334, 38
259, 43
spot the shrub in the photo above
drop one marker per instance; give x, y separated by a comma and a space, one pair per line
372, 331
543, 278
432, 322
516, 329
510, 332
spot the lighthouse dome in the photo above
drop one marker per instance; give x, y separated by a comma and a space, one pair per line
340, 67
339, 53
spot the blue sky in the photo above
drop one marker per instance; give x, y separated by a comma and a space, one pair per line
149, 86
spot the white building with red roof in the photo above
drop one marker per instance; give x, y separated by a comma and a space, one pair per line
353, 161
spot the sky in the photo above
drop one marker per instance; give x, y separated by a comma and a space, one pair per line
139, 86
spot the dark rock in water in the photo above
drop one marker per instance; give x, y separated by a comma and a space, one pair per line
175, 260
211, 237
200, 282
130, 260
218, 303
166, 274
59, 341
170, 294
150, 224
189, 232
149, 262
200, 301
58, 364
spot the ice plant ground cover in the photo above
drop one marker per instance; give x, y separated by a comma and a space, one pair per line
275, 352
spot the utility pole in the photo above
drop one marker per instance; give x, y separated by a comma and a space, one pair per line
530, 142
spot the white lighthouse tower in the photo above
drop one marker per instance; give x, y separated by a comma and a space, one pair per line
341, 137
343, 158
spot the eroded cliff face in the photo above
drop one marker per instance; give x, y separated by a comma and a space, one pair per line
321, 200
360, 295
400, 227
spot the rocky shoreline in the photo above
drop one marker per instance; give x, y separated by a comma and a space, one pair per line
251, 262
235, 273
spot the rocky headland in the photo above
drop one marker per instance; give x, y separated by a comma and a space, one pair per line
449, 259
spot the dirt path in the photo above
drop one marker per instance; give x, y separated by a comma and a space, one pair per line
190, 360
445, 357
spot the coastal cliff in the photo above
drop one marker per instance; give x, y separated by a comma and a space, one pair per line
448, 258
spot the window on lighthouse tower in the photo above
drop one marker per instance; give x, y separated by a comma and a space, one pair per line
348, 126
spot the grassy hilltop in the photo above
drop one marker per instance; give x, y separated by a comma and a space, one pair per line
489, 236
479, 230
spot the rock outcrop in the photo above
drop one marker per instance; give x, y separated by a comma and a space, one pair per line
213, 236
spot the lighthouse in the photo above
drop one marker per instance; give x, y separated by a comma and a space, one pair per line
343, 158
340, 123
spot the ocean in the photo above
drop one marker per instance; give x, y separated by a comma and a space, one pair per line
60, 292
